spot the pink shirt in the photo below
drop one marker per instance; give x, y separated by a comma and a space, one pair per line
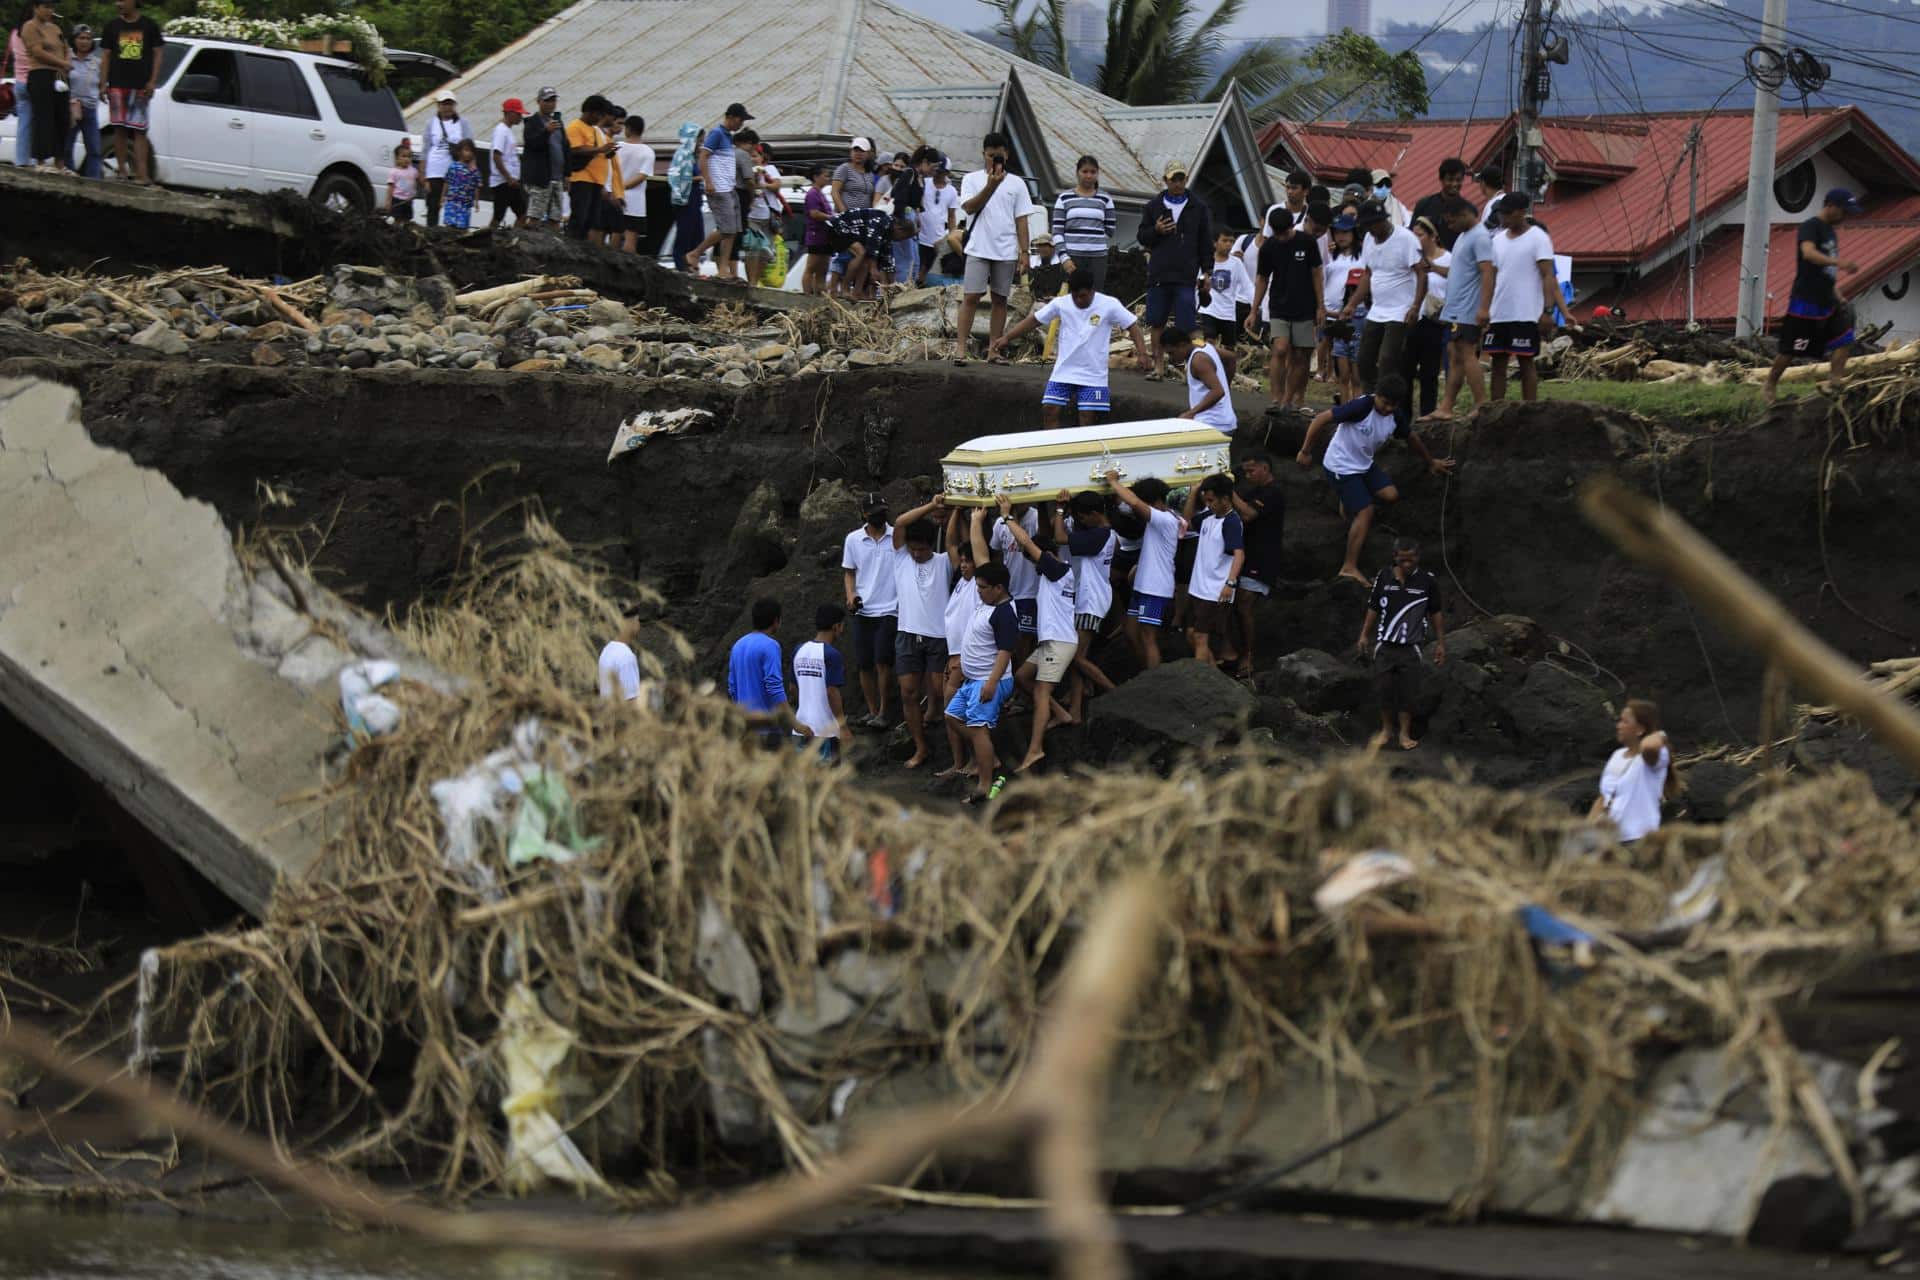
17, 50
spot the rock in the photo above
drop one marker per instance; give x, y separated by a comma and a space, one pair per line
738, 1115
861, 358
271, 331
809, 351
539, 364
377, 345
603, 356
206, 332
1712, 789
554, 344
771, 352
756, 546
465, 360
358, 358
605, 311
827, 514
1318, 681
162, 337
868, 976
340, 335
266, 356
1177, 704
736, 378
71, 329
469, 342
1558, 711
62, 315
249, 313
828, 1008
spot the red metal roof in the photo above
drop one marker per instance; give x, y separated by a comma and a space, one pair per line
1881, 246
1639, 203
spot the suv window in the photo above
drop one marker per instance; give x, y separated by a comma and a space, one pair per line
224, 68
170, 55
358, 102
275, 85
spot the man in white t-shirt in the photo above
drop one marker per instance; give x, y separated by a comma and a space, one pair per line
1390, 288
1360, 428
819, 674
635, 159
1152, 604
921, 584
1517, 313
1088, 320
504, 163
866, 563
997, 203
619, 666
940, 216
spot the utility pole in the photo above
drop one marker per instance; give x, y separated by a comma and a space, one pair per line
1771, 71
1526, 169
1693, 213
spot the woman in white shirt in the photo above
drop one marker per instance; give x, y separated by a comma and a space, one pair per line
1639, 775
445, 129
1427, 343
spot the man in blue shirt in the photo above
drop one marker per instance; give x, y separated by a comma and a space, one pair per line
1469, 279
1360, 428
754, 681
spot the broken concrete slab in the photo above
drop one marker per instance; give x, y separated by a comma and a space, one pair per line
135, 643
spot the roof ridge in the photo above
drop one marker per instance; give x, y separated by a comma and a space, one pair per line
1025, 65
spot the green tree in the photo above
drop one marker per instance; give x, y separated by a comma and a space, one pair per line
1364, 80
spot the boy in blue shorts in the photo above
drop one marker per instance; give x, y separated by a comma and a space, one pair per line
1153, 584
986, 674
1360, 427
1088, 320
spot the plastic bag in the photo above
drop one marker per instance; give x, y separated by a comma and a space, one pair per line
774, 275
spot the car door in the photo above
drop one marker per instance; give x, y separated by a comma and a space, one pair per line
208, 140
288, 135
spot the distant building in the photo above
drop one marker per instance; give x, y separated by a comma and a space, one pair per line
1355, 15
1617, 196
1086, 25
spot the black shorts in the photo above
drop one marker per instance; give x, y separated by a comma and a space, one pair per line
630, 223
1519, 338
1460, 332
611, 217
873, 642
1218, 330
1396, 676
1810, 337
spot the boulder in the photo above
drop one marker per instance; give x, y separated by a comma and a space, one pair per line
514, 314
1318, 681
735, 378
1185, 704
756, 546
266, 355
605, 311
827, 514
1557, 713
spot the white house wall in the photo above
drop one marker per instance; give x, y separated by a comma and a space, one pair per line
1875, 307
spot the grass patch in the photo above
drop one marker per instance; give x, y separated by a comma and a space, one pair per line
1692, 403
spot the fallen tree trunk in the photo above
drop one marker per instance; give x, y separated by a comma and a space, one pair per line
1908, 354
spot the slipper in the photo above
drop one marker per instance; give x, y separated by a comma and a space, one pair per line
960, 362
998, 360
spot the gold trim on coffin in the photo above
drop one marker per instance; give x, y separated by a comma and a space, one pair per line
975, 486
976, 459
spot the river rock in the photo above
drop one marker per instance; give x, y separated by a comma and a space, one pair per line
469, 341
772, 352
724, 960
271, 331
71, 329
539, 364
358, 358
1177, 704
1317, 681
465, 360
515, 314
603, 356
736, 378
162, 337
554, 344
828, 1007
861, 358
249, 313
1558, 713
605, 311
266, 355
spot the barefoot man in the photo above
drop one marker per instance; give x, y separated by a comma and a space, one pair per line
922, 582
1058, 642
1403, 600
1360, 427
1816, 323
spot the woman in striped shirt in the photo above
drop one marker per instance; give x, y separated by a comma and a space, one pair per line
1083, 223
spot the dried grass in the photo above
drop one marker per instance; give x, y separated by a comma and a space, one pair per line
361, 1019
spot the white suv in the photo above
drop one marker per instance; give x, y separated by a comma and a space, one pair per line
233, 115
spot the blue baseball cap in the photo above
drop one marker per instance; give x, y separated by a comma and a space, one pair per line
1344, 222
1846, 200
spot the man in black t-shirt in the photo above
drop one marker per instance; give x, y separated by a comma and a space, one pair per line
1816, 323
1453, 176
1263, 511
1286, 290
1402, 602
132, 42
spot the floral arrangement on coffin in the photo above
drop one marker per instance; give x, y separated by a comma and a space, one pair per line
317, 32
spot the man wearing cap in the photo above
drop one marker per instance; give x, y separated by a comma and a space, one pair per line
1383, 192
866, 565
999, 205
1177, 232
1816, 322
721, 181
1517, 311
507, 192
1391, 288
543, 159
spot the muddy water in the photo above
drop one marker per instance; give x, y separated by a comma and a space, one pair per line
44, 1244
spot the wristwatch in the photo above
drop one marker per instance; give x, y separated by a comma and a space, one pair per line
1234, 583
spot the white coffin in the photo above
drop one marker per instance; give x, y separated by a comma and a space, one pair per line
1036, 465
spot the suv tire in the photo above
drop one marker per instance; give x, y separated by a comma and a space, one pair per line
343, 191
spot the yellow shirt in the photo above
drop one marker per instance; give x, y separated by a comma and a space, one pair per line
580, 137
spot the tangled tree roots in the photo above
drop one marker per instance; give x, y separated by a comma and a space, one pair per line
362, 1019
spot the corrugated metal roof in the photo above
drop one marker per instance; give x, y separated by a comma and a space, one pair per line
837, 67
1882, 248
1410, 150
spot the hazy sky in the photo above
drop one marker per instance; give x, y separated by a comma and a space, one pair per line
1262, 17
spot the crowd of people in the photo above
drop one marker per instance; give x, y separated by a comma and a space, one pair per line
59, 78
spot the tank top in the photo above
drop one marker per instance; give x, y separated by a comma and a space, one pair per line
1220, 414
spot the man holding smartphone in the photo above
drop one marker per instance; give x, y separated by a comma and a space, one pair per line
998, 204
